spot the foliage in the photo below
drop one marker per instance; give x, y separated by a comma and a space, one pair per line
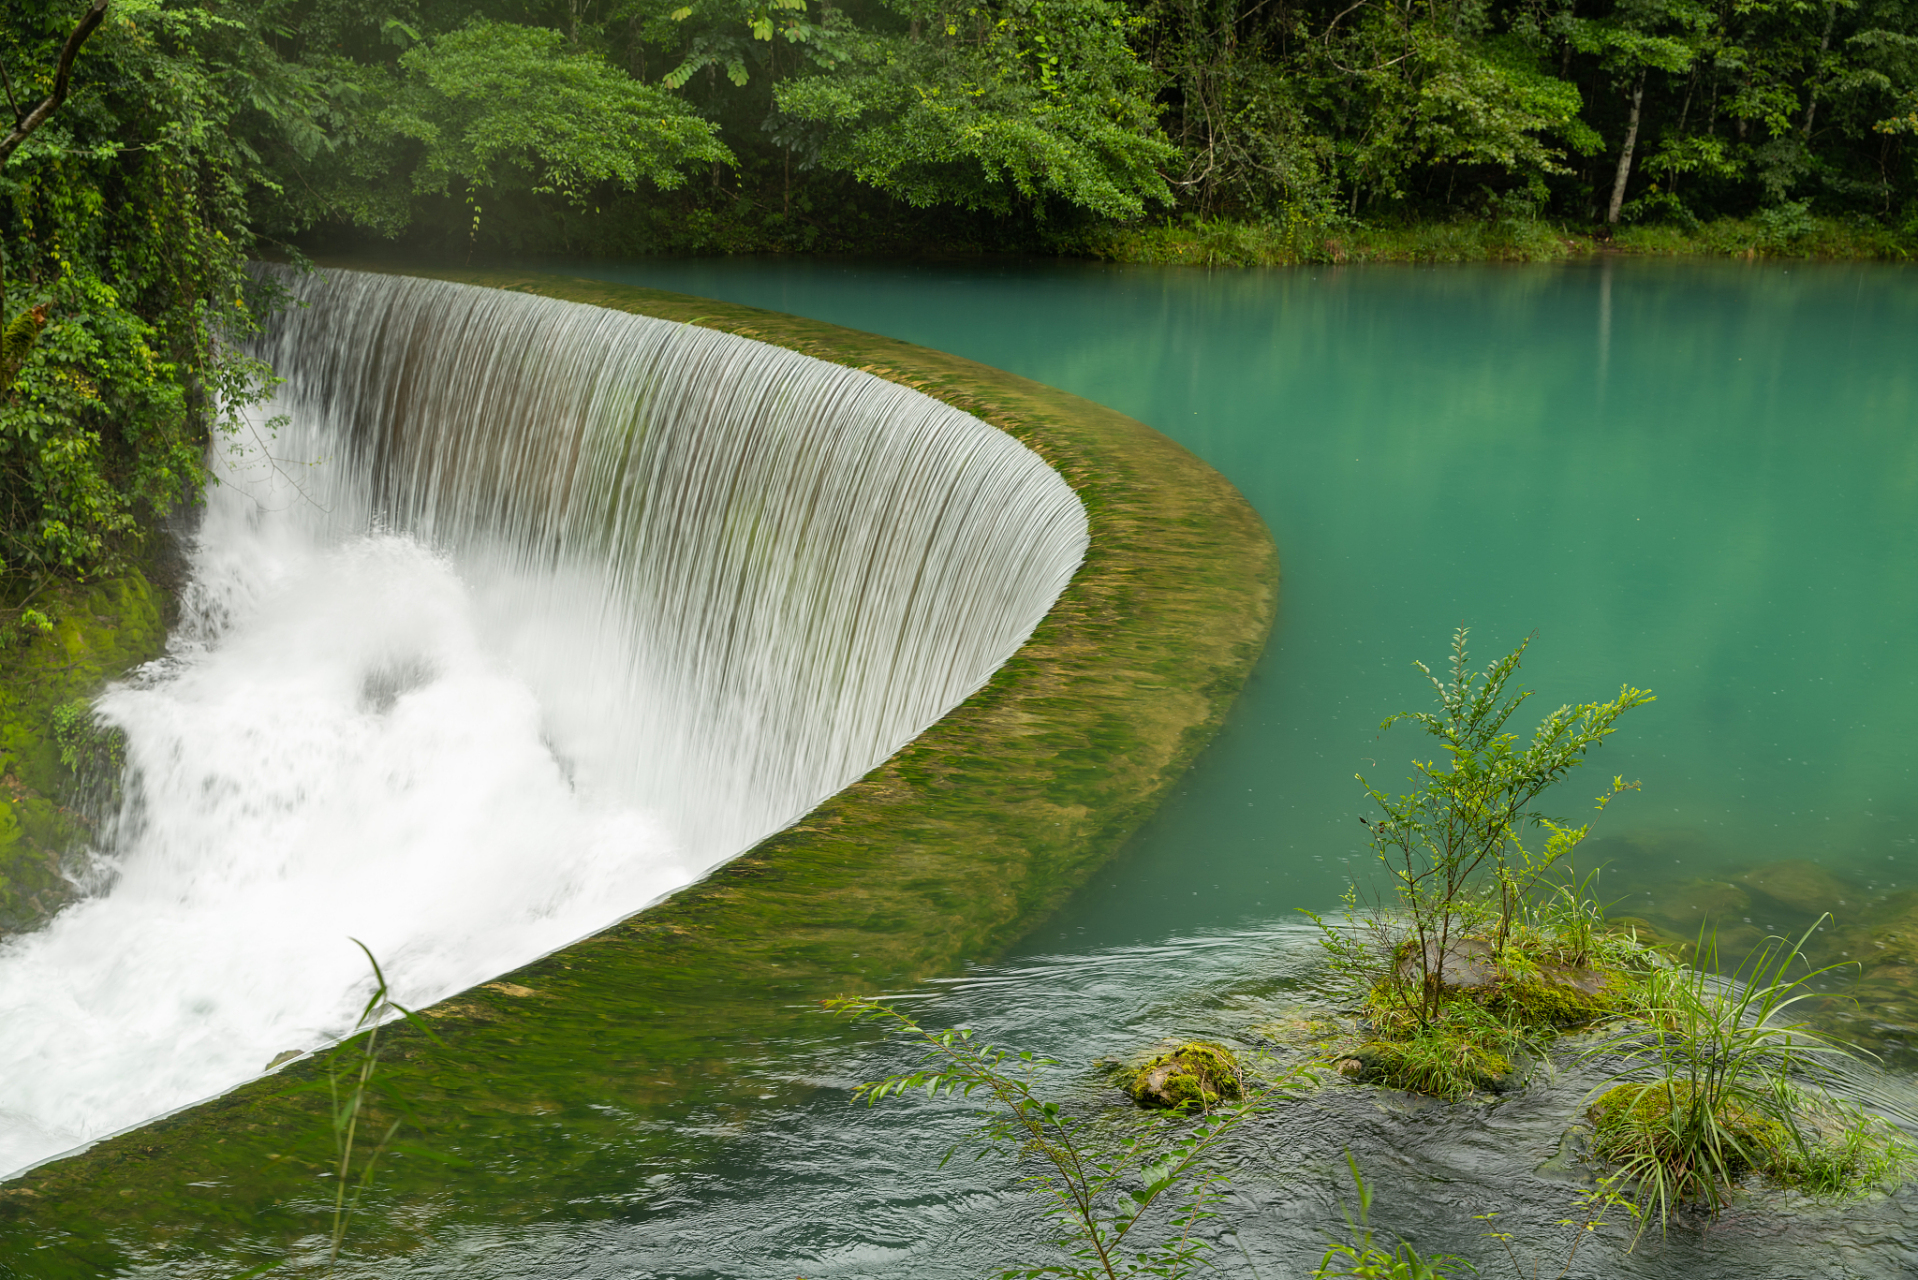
1595, 1204
730, 124
359, 1139
1359, 1256
1099, 1182
1718, 1082
1464, 1049
1452, 849
495, 107
84, 741
123, 220
987, 107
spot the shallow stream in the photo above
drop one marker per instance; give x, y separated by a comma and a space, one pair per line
821, 1187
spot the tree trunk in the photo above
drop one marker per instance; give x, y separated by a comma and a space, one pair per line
1625, 155
1824, 45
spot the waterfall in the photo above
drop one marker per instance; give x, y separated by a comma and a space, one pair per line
506, 617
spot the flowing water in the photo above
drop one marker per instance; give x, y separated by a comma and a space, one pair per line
819, 1188
524, 615
1694, 477
1701, 478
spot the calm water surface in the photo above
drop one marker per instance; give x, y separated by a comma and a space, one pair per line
1698, 478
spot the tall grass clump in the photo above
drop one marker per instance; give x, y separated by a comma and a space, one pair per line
1720, 1082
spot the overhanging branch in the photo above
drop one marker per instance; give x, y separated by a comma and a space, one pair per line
62, 79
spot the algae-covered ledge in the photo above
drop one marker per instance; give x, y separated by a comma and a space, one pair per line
945, 853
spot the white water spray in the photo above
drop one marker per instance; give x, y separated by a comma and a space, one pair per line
528, 614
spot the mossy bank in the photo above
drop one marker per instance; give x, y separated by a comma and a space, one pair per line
572, 1075
73, 641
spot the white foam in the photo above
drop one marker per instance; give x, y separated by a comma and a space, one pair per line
527, 615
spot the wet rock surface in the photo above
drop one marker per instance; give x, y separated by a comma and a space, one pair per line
96, 634
1194, 1075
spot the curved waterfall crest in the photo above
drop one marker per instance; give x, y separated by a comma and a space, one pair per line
808, 564
514, 616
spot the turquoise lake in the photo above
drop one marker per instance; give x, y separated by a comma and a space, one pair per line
1699, 478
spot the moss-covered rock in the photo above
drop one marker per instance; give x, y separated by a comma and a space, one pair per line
1196, 1075
1635, 1121
1517, 984
1559, 997
96, 633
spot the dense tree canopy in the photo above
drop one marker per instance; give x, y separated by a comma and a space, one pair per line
198, 132
1591, 110
123, 216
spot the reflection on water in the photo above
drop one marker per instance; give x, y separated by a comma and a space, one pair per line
825, 1188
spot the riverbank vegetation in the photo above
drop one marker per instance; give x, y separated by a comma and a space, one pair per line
1120, 127
1180, 131
1482, 948
124, 225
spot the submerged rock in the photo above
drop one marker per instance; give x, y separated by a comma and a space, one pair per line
1197, 1074
1802, 888
1686, 906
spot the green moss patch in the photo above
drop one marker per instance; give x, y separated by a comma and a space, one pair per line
1640, 1121
94, 633
1559, 998
1194, 1076
1448, 1059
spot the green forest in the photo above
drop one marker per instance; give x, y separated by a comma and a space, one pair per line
189, 135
